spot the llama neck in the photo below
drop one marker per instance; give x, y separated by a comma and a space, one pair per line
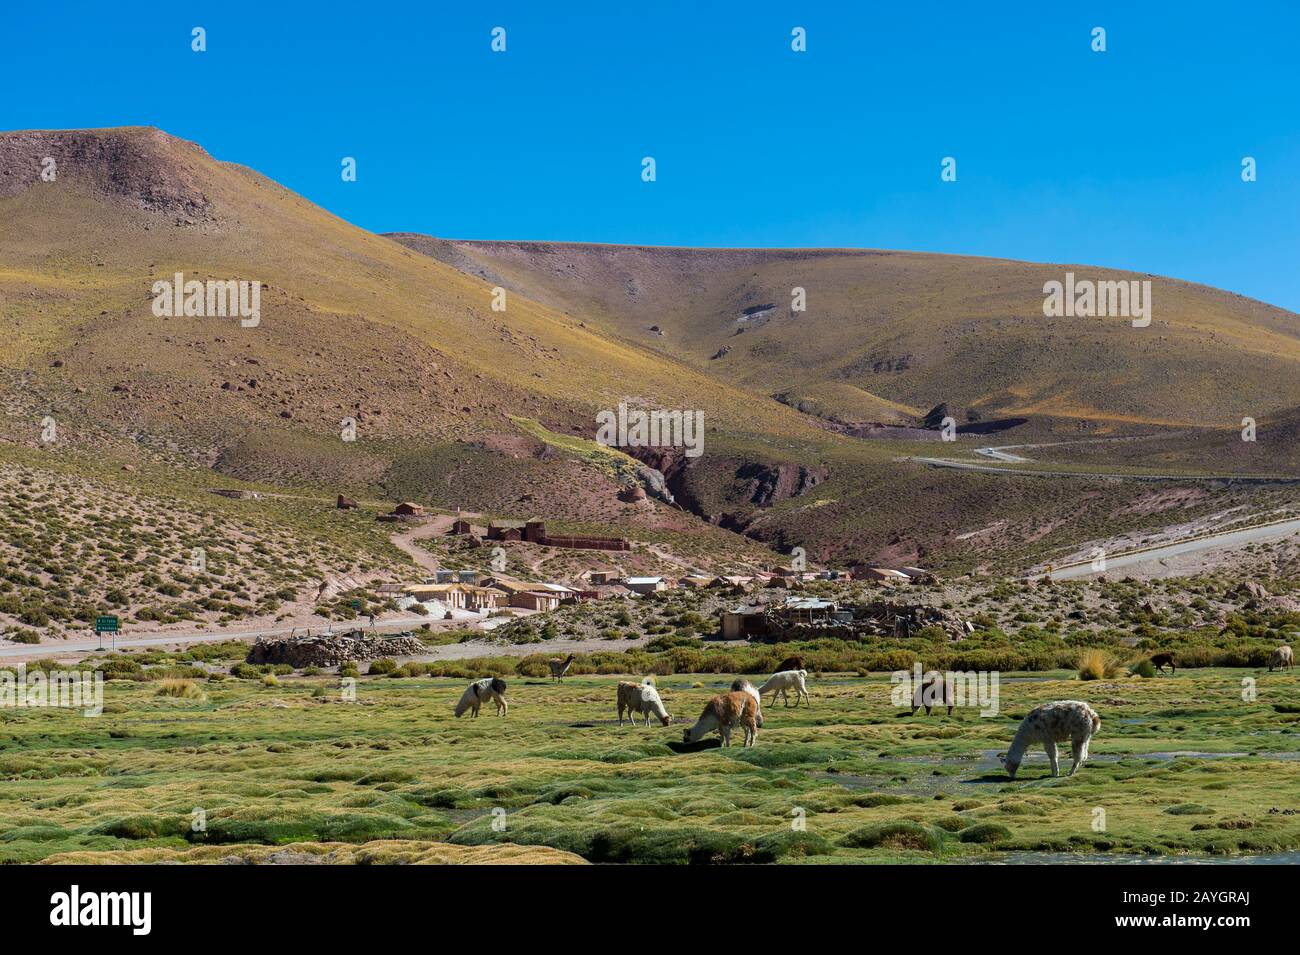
1024, 736
706, 724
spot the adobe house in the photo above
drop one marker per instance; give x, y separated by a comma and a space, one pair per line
505, 531
535, 600
460, 526
743, 622
408, 509
879, 574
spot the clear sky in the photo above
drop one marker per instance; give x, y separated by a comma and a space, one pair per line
1129, 158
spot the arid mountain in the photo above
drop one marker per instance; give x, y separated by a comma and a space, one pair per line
458, 404
888, 335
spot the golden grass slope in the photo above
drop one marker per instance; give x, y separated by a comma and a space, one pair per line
914, 329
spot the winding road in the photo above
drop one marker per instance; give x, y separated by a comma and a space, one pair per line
1220, 541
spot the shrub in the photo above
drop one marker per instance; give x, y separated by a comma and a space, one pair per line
381, 666
1143, 668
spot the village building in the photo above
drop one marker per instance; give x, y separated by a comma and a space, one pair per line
694, 582
743, 622
457, 596
808, 610
525, 594
535, 600
882, 575
918, 574
505, 531
645, 585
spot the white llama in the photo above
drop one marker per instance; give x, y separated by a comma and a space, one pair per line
724, 713
741, 685
1282, 657
489, 688
778, 683
560, 667
641, 699
1053, 723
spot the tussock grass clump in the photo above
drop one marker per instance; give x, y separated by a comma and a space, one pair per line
984, 832
894, 835
1097, 664
179, 689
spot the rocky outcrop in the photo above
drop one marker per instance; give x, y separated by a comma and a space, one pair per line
143, 165
327, 650
768, 483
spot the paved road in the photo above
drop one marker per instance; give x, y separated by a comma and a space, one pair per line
1000, 454
1224, 541
204, 636
1104, 475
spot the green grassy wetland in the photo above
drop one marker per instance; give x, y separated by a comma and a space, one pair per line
286, 769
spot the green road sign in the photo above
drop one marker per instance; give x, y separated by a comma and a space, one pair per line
106, 625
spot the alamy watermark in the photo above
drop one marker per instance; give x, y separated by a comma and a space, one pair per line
1088, 299
212, 299
969, 688
65, 689
656, 428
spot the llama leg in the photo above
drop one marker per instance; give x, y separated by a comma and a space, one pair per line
1079, 751
1050, 746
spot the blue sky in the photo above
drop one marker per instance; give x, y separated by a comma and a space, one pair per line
1129, 158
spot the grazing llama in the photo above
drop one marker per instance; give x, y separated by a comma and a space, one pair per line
933, 688
778, 683
1162, 660
790, 663
1053, 723
560, 667
641, 699
1282, 657
741, 685
724, 713
489, 688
